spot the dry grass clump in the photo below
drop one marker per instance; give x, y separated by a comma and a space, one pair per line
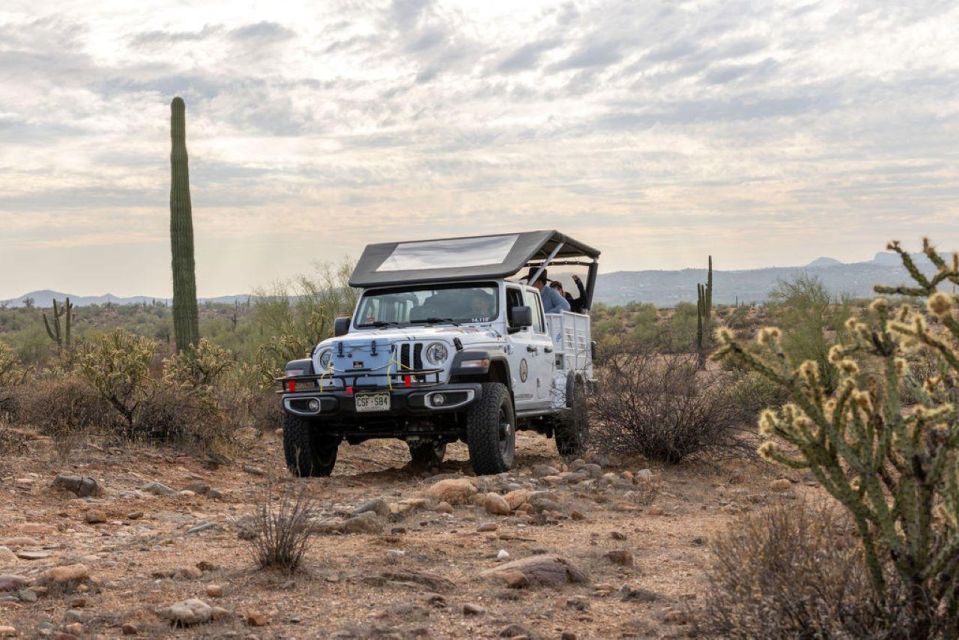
791, 571
661, 407
281, 528
65, 408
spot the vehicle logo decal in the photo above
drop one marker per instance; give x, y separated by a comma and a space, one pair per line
523, 370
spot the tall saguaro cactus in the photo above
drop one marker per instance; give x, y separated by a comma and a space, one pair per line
60, 330
186, 323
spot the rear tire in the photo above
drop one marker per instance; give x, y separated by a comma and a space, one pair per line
308, 453
491, 430
427, 453
572, 429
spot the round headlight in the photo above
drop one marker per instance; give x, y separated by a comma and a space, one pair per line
437, 353
325, 357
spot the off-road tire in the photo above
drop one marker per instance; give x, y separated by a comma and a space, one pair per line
572, 429
427, 453
491, 430
308, 453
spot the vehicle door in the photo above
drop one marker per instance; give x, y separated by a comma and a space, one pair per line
542, 360
522, 344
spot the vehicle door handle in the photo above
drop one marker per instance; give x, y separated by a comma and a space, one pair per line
532, 349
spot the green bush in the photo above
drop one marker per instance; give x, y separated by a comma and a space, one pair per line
806, 313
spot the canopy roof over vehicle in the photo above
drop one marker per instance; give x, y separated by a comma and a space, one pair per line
474, 258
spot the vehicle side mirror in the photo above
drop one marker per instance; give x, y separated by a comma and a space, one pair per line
341, 326
520, 318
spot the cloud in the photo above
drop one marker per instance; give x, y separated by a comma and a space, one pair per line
262, 32
159, 37
597, 54
527, 56
658, 131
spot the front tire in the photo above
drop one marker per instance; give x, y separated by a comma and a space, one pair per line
491, 430
572, 429
308, 453
427, 453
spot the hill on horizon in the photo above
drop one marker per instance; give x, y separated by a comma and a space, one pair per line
663, 288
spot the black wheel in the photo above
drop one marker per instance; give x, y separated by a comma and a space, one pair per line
427, 453
491, 430
572, 429
308, 453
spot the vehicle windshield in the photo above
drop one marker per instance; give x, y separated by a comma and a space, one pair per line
429, 304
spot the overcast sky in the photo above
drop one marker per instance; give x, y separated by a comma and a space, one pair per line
765, 133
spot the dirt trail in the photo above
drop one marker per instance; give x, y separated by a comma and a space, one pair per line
152, 551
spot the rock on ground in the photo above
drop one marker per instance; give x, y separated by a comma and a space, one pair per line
496, 505
65, 574
79, 485
158, 488
547, 570
187, 612
453, 490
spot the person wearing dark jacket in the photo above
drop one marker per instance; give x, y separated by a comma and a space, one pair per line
576, 305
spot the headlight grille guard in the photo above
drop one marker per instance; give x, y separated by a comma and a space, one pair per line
361, 379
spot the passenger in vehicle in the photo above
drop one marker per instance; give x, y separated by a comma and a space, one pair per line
576, 305
553, 301
481, 307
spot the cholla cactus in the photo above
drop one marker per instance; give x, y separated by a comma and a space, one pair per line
197, 370
11, 370
117, 365
893, 467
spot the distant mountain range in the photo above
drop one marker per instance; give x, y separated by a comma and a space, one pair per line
662, 288
45, 298
666, 288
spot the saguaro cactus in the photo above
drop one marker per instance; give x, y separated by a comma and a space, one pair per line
60, 330
186, 323
704, 312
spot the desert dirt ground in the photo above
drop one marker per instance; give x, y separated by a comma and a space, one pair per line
411, 578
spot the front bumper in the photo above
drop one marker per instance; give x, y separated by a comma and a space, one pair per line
407, 402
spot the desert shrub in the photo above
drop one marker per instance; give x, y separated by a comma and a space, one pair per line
281, 528
807, 314
295, 316
117, 365
752, 393
892, 467
172, 415
12, 373
791, 571
65, 408
661, 407
679, 333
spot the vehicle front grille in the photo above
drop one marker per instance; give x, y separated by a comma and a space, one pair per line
411, 356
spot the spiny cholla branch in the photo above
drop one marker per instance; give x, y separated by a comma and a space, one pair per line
894, 467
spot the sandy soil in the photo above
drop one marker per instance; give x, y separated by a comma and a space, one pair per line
141, 563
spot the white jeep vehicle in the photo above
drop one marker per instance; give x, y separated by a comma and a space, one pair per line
446, 344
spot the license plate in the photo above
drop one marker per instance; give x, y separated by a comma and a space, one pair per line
372, 402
